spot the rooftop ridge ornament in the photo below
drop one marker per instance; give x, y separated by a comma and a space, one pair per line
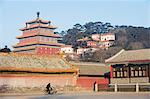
38, 13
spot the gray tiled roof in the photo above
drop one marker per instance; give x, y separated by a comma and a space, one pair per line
32, 61
130, 56
91, 68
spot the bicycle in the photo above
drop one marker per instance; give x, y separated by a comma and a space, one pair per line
51, 91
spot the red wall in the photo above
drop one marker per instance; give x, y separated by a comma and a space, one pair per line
46, 50
28, 32
88, 82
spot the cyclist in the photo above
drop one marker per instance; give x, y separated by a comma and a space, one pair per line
49, 88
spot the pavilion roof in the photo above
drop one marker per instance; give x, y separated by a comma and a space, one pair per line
130, 56
34, 63
91, 68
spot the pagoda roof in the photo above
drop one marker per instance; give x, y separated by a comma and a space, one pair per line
38, 20
28, 48
39, 34
38, 42
34, 63
38, 26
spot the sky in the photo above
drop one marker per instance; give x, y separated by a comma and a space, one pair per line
65, 13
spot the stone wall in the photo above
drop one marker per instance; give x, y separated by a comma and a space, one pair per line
37, 80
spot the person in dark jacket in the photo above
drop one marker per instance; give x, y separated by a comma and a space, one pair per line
48, 88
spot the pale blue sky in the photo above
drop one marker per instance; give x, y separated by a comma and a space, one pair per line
65, 13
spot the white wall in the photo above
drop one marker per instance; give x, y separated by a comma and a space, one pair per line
107, 37
67, 49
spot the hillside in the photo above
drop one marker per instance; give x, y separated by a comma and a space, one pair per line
127, 37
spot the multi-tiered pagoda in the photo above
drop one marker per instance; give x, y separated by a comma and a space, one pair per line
38, 38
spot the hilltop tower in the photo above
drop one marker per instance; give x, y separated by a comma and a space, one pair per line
38, 38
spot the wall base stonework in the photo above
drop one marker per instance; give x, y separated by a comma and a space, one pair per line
140, 80
129, 80
119, 80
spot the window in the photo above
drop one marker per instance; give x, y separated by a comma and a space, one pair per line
114, 74
120, 72
143, 70
117, 72
138, 71
125, 72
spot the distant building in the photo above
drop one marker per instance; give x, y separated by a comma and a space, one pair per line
84, 39
105, 44
130, 67
91, 43
81, 50
107, 37
38, 38
86, 50
96, 37
106, 40
67, 49
103, 41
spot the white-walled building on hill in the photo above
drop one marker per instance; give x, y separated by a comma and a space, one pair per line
107, 37
67, 49
96, 37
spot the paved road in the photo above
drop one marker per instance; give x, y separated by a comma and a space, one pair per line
85, 96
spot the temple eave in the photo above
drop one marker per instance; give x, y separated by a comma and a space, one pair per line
40, 43
47, 35
129, 61
23, 49
27, 28
37, 70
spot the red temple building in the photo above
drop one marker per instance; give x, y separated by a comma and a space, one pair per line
38, 38
89, 73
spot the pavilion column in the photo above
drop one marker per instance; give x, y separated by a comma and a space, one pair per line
116, 88
96, 87
129, 73
111, 71
137, 87
149, 71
